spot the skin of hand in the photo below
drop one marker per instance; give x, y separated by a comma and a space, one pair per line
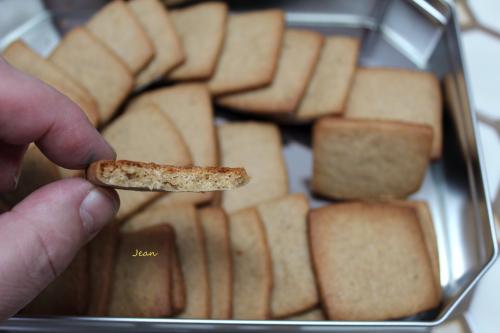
40, 236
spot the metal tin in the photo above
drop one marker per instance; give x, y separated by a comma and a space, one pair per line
416, 34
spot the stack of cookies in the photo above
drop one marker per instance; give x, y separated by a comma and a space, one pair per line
257, 252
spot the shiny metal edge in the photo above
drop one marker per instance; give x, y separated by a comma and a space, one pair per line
250, 325
84, 323
483, 180
23, 28
478, 146
438, 15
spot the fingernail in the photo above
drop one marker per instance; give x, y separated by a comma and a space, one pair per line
97, 209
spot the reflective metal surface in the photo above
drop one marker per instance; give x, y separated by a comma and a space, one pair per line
410, 34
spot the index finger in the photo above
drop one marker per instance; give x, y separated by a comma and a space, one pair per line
31, 111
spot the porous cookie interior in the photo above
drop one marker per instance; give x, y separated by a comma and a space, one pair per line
192, 179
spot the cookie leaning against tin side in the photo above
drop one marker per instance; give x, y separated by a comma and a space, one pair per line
399, 95
428, 231
363, 159
371, 261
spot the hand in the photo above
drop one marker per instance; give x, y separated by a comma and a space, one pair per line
40, 236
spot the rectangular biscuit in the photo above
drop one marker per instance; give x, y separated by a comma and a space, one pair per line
252, 267
67, 295
142, 176
216, 230
96, 68
429, 234
23, 58
143, 135
201, 28
168, 50
102, 251
189, 107
257, 146
363, 159
294, 285
142, 275
398, 94
329, 86
250, 53
117, 27
190, 246
297, 60
367, 252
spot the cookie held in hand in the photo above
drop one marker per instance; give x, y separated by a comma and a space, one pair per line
141, 176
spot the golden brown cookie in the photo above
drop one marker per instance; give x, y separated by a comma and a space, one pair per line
298, 58
371, 261
142, 176
257, 146
142, 274
96, 68
250, 53
364, 159
102, 250
252, 267
145, 135
190, 246
398, 94
22, 57
117, 27
294, 284
216, 231
201, 28
328, 89
158, 25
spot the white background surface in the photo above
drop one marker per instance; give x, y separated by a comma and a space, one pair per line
481, 47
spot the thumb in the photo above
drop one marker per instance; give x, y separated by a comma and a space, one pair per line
40, 236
